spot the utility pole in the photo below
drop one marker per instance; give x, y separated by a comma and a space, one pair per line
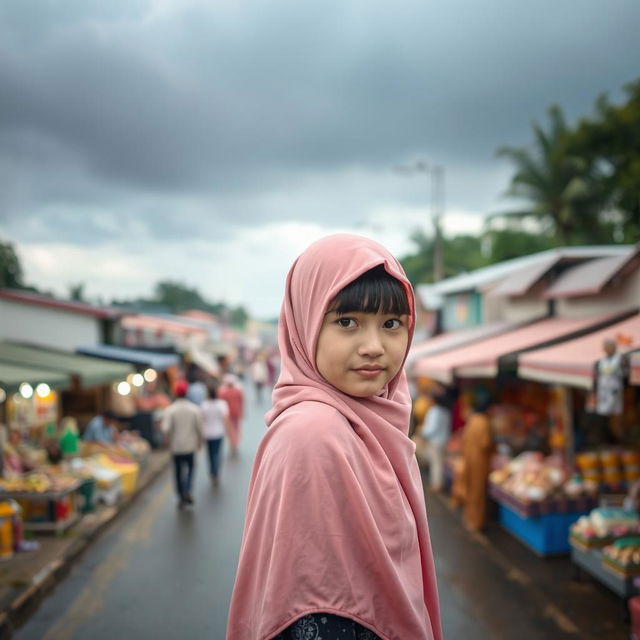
437, 207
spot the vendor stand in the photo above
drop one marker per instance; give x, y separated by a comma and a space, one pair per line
47, 506
601, 469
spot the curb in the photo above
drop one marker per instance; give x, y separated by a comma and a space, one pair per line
28, 600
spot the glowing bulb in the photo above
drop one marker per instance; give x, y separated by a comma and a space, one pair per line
26, 390
137, 380
124, 388
43, 390
150, 375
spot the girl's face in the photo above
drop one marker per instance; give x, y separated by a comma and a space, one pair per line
359, 353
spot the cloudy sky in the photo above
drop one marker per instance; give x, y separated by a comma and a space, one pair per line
210, 142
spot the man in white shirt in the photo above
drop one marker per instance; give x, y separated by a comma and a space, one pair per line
433, 439
182, 422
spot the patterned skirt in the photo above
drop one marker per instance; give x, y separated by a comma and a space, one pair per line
326, 626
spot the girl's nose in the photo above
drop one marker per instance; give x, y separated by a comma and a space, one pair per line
371, 344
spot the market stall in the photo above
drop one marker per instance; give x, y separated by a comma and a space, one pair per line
592, 468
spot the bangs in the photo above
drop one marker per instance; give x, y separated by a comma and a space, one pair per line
374, 291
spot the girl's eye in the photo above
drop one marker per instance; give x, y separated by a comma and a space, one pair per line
392, 324
346, 323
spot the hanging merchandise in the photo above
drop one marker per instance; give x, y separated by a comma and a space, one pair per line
610, 381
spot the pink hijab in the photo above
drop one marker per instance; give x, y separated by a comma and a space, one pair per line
336, 518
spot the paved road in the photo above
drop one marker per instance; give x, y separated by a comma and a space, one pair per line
163, 573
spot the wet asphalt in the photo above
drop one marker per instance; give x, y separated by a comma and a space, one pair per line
160, 572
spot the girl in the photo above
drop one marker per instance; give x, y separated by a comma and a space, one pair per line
336, 542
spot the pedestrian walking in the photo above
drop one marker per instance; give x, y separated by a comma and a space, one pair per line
182, 422
231, 391
215, 417
336, 541
259, 375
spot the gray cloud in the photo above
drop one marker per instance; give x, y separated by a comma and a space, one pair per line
233, 113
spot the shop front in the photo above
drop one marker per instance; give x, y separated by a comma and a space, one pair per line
596, 372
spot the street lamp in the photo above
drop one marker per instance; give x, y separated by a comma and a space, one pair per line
436, 174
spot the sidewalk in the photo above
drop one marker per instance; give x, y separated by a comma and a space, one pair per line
494, 587
29, 576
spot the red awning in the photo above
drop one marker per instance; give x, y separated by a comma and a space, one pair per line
572, 362
480, 360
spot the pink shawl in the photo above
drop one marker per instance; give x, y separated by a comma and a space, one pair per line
336, 518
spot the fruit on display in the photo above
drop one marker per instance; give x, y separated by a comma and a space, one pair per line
531, 477
38, 482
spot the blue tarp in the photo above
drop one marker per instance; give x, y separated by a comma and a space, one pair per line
154, 359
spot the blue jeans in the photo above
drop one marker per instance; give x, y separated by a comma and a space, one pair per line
214, 447
183, 463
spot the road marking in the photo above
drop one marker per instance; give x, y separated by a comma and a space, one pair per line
91, 599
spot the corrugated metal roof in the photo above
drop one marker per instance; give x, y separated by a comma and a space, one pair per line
590, 277
485, 275
27, 297
521, 281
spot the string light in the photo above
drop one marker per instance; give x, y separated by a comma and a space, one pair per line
26, 390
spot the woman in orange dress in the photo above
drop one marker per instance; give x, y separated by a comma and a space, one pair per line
477, 447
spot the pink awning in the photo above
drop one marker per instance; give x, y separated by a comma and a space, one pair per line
480, 360
572, 362
453, 340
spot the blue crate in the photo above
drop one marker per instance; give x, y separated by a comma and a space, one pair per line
546, 535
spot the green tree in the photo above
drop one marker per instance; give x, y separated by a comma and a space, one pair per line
461, 253
239, 316
178, 297
610, 143
76, 292
556, 184
504, 244
11, 276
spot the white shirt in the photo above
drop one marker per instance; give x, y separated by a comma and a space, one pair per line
437, 426
213, 414
182, 422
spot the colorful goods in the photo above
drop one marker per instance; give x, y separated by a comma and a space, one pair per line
623, 556
603, 525
613, 468
531, 477
6, 531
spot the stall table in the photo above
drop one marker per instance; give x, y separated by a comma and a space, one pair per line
542, 526
48, 511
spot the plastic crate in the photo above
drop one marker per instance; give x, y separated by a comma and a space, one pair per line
546, 535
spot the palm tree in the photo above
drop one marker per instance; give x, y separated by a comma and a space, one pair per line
563, 198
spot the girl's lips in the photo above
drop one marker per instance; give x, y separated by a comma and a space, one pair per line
369, 373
